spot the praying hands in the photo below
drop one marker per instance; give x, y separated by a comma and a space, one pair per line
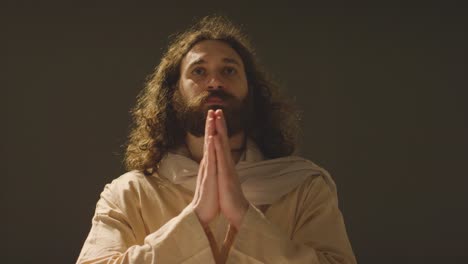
218, 188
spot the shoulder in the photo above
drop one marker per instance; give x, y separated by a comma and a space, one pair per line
127, 190
128, 187
319, 184
127, 180
136, 183
316, 172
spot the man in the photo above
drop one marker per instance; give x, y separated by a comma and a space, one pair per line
211, 177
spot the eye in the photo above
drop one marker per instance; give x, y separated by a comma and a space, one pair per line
230, 70
198, 71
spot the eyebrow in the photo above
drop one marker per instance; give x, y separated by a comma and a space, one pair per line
226, 60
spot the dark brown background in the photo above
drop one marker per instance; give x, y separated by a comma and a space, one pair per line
382, 89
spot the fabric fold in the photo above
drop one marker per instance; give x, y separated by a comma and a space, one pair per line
263, 181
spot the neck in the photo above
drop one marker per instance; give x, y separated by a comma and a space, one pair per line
195, 146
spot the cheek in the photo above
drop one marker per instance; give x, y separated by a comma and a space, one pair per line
244, 90
188, 88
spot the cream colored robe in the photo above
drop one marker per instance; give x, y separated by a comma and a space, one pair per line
142, 219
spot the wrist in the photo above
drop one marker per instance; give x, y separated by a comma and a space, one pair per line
202, 217
237, 222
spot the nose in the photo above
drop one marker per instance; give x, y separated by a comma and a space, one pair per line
215, 82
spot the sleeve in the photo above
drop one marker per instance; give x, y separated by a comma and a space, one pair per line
112, 239
319, 235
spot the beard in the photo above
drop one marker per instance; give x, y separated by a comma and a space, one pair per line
191, 114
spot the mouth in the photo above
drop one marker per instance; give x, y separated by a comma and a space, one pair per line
214, 100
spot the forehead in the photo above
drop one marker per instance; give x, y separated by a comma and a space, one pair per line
210, 51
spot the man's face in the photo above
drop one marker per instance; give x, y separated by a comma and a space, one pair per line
212, 76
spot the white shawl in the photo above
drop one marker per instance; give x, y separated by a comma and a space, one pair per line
263, 181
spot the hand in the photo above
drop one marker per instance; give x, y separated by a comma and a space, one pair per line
205, 200
232, 201
218, 187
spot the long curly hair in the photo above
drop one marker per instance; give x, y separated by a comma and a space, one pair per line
155, 129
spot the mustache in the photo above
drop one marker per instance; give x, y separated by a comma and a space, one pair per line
205, 95
191, 112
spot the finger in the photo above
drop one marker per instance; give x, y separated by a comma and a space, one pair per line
220, 122
211, 159
210, 183
221, 159
201, 173
221, 129
209, 126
